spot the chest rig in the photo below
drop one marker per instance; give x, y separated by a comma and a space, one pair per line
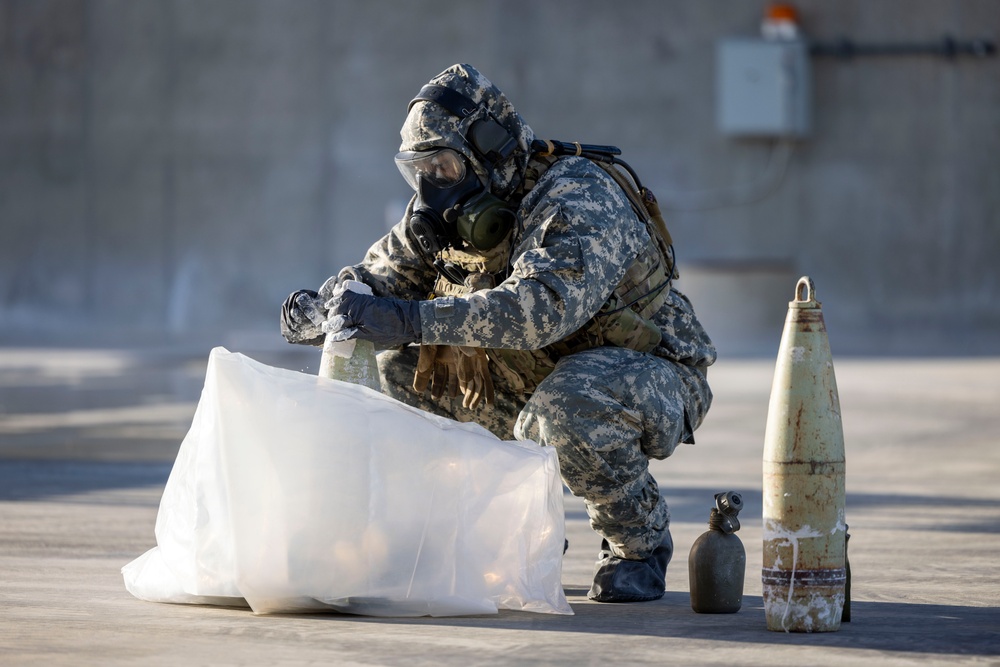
625, 319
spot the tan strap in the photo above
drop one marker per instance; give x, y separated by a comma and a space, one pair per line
649, 199
644, 204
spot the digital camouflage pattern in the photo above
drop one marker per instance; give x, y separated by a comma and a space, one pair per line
430, 126
608, 409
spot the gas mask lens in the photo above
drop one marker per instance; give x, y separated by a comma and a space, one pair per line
441, 168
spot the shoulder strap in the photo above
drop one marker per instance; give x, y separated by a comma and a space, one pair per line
645, 205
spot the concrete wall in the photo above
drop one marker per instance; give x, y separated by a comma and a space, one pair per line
171, 169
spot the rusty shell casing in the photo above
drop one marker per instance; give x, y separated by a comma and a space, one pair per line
803, 501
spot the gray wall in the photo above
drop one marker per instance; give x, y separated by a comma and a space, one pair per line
171, 169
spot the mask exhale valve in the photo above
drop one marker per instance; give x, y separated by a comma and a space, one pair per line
451, 202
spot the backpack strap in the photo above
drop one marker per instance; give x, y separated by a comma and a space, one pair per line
646, 207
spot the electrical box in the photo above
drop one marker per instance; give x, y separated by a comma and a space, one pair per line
763, 88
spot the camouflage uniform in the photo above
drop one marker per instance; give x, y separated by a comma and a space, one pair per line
606, 409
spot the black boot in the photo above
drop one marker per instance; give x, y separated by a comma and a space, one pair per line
622, 580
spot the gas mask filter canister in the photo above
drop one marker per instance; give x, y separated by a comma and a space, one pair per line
451, 202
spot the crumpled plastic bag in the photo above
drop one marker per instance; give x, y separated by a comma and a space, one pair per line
295, 493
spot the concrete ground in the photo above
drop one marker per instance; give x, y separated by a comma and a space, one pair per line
87, 438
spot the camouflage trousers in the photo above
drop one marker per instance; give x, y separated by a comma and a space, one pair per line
607, 411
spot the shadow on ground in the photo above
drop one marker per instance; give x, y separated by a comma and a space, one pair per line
50, 480
880, 626
47, 480
693, 504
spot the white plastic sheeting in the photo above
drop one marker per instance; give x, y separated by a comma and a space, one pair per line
297, 493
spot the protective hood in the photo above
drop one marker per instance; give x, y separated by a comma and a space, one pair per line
429, 125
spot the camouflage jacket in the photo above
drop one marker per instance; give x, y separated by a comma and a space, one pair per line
578, 235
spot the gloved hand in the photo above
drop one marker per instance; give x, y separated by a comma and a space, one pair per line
301, 318
455, 369
474, 379
385, 321
330, 287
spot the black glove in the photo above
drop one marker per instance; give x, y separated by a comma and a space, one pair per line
385, 321
296, 325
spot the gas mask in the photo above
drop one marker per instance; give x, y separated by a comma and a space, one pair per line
451, 202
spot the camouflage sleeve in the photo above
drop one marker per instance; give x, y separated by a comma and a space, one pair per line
394, 266
580, 234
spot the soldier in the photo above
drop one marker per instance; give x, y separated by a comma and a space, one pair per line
541, 300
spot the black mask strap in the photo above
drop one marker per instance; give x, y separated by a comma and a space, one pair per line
452, 100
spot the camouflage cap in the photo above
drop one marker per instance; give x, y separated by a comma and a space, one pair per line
429, 125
